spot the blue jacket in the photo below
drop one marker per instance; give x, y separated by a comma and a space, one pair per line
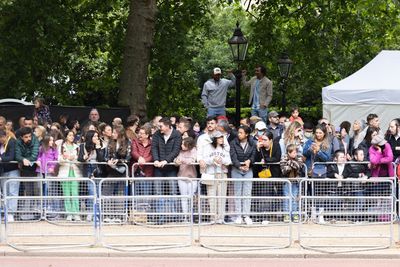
321, 156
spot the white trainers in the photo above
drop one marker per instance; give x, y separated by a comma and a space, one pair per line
321, 219
116, 220
107, 220
89, 218
69, 218
248, 220
10, 218
265, 222
77, 218
238, 220
219, 221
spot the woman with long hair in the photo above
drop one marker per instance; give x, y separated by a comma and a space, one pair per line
217, 158
90, 153
68, 155
293, 136
393, 139
243, 154
118, 156
318, 149
366, 142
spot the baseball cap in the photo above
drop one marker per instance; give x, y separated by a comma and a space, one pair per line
216, 134
217, 71
273, 114
261, 125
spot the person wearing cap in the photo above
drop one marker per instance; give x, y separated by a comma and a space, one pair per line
274, 126
259, 130
381, 157
217, 159
205, 139
260, 92
214, 92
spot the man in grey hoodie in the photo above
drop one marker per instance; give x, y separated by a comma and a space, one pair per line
215, 91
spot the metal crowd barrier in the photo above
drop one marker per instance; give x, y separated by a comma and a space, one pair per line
29, 229
151, 214
343, 204
121, 169
262, 214
15, 191
125, 212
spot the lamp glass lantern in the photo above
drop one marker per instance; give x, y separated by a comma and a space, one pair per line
285, 65
238, 44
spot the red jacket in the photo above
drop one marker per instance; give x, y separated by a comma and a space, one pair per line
138, 150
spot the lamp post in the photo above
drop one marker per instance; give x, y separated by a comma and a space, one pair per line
285, 65
238, 44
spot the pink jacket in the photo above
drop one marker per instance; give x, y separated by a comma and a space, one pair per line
378, 159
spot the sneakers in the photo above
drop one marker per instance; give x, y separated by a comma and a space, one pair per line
248, 220
238, 220
296, 218
89, 218
10, 218
116, 220
69, 218
219, 221
107, 220
321, 219
77, 218
286, 218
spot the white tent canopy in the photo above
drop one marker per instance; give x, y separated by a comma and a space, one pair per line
375, 88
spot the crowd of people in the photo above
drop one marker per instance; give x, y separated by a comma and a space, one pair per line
285, 147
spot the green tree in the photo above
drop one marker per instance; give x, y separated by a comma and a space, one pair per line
328, 40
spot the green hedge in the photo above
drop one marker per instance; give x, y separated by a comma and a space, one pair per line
312, 114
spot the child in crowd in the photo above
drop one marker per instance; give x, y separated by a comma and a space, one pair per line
42, 112
357, 170
47, 167
185, 161
47, 155
337, 170
295, 115
291, 166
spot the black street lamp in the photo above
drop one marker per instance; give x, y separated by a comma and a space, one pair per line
285, 65
238, 44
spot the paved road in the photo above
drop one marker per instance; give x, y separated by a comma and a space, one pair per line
190, 262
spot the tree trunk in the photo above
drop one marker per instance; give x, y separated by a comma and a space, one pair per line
138, 43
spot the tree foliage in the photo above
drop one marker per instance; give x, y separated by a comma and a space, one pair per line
70, 51
67, 51
327, 40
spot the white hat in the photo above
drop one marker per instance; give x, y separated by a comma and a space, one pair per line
261, 125
216, 134
217, 71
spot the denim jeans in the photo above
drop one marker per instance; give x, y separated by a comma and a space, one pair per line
165, 187
295, 194
216, 111
260, 112
12, 190
92, 188
242, 189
